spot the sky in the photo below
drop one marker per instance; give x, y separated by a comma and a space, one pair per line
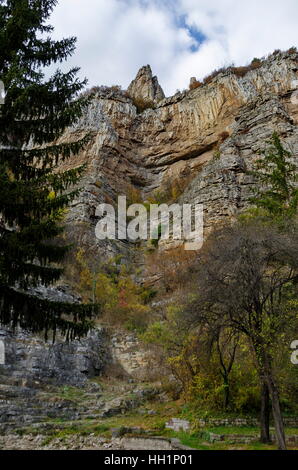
180, 39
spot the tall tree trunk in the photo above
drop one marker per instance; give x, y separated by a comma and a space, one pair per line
265, 414
266, 376
226, 392
277, 415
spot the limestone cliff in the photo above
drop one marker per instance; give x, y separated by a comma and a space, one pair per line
198, 144
205, 139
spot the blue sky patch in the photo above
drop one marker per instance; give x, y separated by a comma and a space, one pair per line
197, 35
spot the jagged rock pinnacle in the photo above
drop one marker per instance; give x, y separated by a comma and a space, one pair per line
145, 87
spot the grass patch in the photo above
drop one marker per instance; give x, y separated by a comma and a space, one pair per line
74, 394
81, 429
239, 430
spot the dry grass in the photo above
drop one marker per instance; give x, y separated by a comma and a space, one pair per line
238, 71
214, 74
195, 84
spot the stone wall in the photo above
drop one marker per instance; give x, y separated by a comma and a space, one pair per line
291, 421
151, 443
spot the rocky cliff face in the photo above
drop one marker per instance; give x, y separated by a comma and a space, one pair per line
203, 140
29, 359
198, 145
35, 373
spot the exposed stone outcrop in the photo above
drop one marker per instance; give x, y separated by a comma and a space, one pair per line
89, 442
127, 353
34, 370
29, 359
145, 87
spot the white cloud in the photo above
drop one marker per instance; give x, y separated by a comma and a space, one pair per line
245, 29
116, 37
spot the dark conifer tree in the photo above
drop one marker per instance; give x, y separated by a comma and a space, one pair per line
33, 195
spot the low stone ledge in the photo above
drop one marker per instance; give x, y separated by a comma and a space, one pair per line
152, 443
214, 422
